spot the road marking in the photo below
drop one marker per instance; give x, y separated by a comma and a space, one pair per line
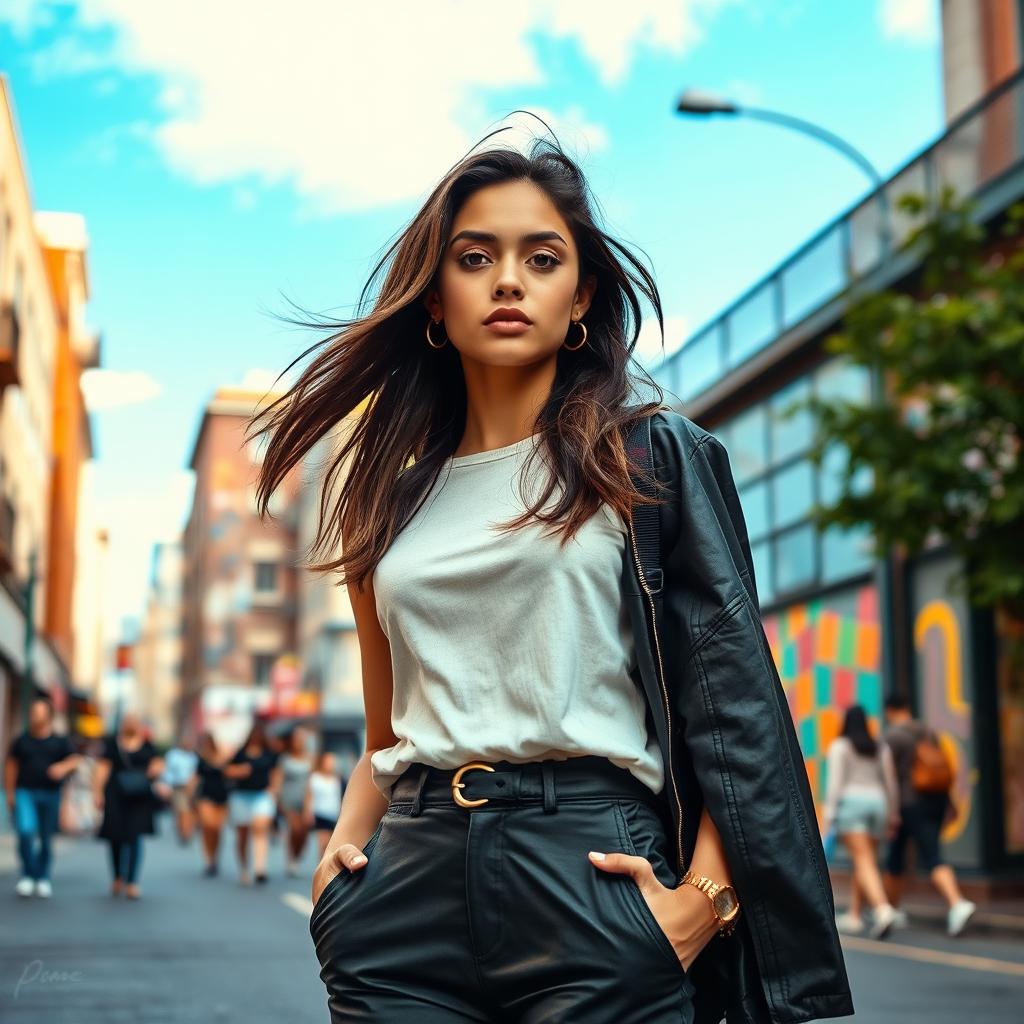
300, 904
934, 956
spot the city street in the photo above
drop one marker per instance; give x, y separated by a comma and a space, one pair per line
208, 950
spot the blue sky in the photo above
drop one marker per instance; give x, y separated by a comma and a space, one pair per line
228, 155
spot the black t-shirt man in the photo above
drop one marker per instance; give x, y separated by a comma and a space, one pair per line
34, 755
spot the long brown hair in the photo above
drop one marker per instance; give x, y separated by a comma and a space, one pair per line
412, 398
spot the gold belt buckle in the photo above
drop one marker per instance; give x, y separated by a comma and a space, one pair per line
458, 784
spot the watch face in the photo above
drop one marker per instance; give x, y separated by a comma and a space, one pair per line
726, 903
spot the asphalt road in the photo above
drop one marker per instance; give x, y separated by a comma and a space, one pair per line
209, 951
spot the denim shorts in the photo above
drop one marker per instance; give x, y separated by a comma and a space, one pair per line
862, 812
246, 804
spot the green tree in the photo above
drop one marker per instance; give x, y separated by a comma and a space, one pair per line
939, 454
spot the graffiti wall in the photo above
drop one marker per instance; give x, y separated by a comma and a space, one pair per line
828, 653
945, 688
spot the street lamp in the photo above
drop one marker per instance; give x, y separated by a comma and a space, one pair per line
704, 104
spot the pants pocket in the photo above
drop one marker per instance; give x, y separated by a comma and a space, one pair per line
329, 890
642, 834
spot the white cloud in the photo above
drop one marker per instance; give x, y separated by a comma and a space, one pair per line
351, 106
111, 389
914, 21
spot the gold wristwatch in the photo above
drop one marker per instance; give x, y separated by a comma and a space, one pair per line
723, 898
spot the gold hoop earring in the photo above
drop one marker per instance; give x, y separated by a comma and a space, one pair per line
431, 321
583, 340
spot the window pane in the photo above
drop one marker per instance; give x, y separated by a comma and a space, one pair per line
790, 434
830, 475
843, 380
845, 552
762, 556
748, 443
794, 558
754, 499
793, 490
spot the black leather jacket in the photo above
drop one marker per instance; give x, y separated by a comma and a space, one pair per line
728, 742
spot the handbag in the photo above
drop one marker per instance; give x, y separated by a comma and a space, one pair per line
131, 783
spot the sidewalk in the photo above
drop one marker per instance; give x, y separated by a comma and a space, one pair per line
996, 915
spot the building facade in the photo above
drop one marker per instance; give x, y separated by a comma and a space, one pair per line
844, 625
239, 577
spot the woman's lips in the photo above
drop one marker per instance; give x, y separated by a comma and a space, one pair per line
508, 327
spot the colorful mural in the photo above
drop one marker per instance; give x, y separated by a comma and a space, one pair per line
828, 653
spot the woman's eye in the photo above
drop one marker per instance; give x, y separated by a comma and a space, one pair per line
466, 255
548, 256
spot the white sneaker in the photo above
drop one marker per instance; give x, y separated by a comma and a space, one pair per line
901, 920
25, 887
882, 921
293, 869
959, 914
244, 877
44, 888
848, 924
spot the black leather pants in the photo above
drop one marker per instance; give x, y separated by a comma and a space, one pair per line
495, 913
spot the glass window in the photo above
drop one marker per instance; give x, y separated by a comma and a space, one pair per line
839, 379
266, 576
261, 666
791, 434
761, 553
699, 363
832, 471
753, 324
748, 442
845, 552
754, 499
793, 491
794, 557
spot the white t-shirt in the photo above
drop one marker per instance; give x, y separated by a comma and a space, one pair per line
505, 646
325, 792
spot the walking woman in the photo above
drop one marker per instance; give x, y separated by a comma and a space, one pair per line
323, 797
581, 795
255, 780
210, 792
862, 806
127, 788
295, 763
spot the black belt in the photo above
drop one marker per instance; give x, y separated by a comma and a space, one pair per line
477, 783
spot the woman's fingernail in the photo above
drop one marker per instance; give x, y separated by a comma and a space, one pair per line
358, 859
596, 855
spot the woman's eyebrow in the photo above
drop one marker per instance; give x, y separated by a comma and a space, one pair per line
487, 236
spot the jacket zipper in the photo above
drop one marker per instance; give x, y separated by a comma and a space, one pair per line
664, 696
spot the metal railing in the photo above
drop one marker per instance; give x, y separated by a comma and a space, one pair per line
980, 146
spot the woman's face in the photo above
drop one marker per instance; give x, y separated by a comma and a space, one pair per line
538, 276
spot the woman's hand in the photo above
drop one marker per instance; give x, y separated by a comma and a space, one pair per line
345, 856
685, 914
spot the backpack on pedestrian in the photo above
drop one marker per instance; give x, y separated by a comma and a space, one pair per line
931, 771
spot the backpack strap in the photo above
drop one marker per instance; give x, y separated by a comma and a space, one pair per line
640, 451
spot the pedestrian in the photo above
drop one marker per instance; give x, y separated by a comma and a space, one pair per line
180, 766
38, 761
323, 797
925, 784
210, 792
295, 768
128, 790
254, 780
582, 792
862, 807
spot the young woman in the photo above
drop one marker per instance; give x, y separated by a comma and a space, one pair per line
128, 759
323, 797
255, 780
295, 768
210, 792
862, 806
569, 759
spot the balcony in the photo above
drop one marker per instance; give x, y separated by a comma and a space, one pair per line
10, 333
981, 154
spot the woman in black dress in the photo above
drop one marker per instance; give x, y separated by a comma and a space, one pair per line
127, 816
211, 794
